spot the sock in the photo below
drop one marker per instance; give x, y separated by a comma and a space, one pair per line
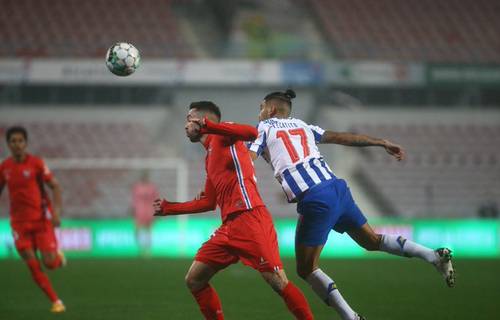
400, 246
55, 263
326, 289
41, 279
296, 302
209, 303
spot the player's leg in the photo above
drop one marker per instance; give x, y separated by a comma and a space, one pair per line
210, 258
292, 296
197, 279
307, 260
367, 238
319, 212
25, 244
46, 242
262, 254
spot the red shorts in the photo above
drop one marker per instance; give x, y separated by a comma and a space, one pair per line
34, 235
248, 236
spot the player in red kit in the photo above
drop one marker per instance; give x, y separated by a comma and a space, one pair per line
32, 216
247, 231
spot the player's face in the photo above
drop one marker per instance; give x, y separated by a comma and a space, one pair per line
192, 128
264, 111
17, 144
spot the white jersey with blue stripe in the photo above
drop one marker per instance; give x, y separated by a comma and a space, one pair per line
290, 147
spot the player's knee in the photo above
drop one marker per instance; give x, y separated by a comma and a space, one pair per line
51, 263
193, 283
277, 281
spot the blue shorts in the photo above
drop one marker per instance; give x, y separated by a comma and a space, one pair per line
326, 206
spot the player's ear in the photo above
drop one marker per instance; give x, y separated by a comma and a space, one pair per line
273, 110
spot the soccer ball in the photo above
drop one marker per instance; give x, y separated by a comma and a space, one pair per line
122, 59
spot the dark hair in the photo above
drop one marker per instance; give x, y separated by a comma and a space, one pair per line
208, 106
286, 96
16, 129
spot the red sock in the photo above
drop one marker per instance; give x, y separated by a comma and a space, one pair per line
296, 302
41, 279
209, 303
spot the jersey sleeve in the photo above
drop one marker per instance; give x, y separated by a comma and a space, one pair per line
234, 130
46, 174
318, 132
259, 144
207, 203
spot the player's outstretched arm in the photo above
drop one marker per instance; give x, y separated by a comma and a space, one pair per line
207, 201
361, 140
57, 201
236, 131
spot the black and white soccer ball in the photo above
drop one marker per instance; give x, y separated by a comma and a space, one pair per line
123, 59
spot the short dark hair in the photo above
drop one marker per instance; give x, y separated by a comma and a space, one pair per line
207, 106
16, 129
286, 96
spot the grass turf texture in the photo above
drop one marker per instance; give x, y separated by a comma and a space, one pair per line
154, 289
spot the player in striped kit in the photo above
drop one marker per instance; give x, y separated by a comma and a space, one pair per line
247, 231
324, 202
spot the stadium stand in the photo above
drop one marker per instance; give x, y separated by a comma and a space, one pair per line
452, 31
72, 28
451, 170
101, 191
87, 139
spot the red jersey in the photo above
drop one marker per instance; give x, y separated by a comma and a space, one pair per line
230, 172
28, 201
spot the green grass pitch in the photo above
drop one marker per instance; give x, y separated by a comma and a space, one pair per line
391, 289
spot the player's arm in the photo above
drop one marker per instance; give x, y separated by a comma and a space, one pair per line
54, 185
236, 131
361, 140
256, 147
207, 201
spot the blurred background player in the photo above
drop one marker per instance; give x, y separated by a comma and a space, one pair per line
144, 192
324, 202
32, 216
247, 231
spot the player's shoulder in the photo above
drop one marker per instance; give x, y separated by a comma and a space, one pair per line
34, 158
299, 121
36, 161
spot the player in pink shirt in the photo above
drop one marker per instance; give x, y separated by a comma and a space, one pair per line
144, 192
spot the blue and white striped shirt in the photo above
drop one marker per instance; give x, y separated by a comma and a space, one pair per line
290, 147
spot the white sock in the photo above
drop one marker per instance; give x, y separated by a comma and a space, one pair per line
326, 289
403, 247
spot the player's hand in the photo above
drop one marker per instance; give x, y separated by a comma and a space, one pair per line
394, 150
201, 122
157, 208
200, 195
56, 220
